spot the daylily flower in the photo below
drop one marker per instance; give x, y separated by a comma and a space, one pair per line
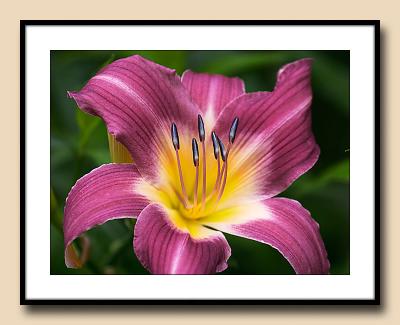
208, 158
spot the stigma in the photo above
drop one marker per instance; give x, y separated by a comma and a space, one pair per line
199, 157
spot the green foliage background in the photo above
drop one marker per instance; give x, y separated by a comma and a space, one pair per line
79, 144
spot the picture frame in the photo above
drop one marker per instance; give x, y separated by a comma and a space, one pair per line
365, 36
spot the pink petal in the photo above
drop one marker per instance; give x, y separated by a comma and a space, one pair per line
139, 100
164, 249
106, 193
289, 228
212, 92
274, 131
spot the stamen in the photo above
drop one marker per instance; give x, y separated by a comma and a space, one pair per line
225, 171
224, 156
202, 135
232, 131
216, 155
185, 196
222, 149
175, 136
180, 197
203, 195
175, 142
195, 150
215, 144
232, 135
220, 152
202, 131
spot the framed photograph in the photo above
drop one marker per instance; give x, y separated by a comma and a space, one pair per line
200, 162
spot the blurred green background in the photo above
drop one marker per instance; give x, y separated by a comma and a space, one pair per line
79, 144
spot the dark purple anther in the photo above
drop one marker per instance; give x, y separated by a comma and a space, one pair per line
175, 136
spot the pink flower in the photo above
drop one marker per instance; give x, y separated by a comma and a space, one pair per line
208, 158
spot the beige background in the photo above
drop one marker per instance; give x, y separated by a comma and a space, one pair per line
12, 12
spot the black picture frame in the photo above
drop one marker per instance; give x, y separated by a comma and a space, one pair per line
377, 221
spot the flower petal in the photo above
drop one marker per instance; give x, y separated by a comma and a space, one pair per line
289, 228
275, 144
139, 100
164, 249
106, 193
212, 92
119, 154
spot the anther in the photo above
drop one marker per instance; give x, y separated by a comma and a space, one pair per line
200, 125
233, 129
175, 136
215, 144
222, 149
195, 150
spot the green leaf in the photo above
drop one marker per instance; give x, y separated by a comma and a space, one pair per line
87, 125
331, 81
56, 218
171, 59
236, 63
107, 62
337, 173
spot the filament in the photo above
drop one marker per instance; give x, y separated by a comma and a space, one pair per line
196, 183
185, 196
179, 196
218, 175
221, 191
203, 195
225, 173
